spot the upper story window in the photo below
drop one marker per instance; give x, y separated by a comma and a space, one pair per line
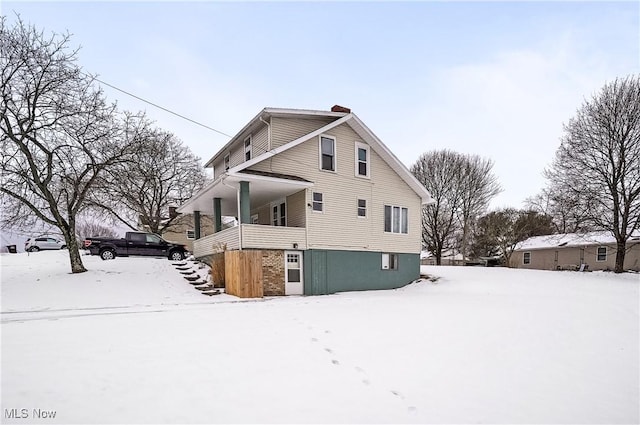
362, 160
327, 153
396, 219
227, 158
247, 148
602, 253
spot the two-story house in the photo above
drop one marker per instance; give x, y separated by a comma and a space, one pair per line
323, 205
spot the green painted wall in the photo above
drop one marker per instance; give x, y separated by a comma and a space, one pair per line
327, 272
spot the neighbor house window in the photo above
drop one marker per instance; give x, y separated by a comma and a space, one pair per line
191, 234
602, 253
327, 153
396, 219
362, 207
318, 202
526, 258
362, 160
226, 162
389, 261
247, 148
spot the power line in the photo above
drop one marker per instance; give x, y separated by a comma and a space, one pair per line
160, 107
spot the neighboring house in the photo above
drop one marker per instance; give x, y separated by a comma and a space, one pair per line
323, 205
182, 229
570, 251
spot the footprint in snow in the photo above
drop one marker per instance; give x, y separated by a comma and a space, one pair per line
397, 394
335, 362
328, 350
314, 339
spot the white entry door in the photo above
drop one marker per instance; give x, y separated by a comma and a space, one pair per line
293, 273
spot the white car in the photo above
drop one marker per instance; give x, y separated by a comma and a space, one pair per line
42, 243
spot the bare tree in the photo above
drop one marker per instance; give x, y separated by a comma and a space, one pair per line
161, 173
57, 133
568, 211
462, 187
478, 185
438, 171
599, 160
499, 232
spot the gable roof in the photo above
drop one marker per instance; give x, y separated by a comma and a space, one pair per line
342, 118
571, 240
266, 113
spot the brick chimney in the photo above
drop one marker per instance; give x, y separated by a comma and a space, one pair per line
338, 108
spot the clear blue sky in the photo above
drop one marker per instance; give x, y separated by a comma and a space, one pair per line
497, 79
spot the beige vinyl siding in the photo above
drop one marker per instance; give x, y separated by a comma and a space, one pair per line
237, 155
338, 226
264, 214
212, 243
260, 142
296, 205
285, 130
255, 236
573, 256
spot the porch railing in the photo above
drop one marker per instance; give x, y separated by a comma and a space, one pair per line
254, 236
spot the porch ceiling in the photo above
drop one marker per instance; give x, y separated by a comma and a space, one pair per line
263, 189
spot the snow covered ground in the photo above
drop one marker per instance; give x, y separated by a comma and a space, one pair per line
131, 341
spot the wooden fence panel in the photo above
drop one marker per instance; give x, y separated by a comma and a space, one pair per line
243, 273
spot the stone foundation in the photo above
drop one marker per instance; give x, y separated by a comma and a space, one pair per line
273, 272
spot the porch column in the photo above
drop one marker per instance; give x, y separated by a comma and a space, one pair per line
196, 223
245, 203
217, 211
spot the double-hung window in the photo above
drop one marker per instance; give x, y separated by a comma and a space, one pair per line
227, 158
362, 160
396, 219
526, 258
601, 254
327, 153
362, 207
318, 202
191, 234
247, 148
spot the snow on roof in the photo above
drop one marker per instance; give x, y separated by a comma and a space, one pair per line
571, 239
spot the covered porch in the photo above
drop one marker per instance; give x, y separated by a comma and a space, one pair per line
239, 195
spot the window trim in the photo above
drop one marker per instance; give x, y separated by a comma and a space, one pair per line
389, 261
335, 153
358, 208
278, 204
226, 164
314, 202
526, 255
400, 210
250, 146
358, 146
606, 253
193, 232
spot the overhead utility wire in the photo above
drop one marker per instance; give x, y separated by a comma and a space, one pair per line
160, 107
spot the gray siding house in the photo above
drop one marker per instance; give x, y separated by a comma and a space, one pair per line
570, 251
330, 207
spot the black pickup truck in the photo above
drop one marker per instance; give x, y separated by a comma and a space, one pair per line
135, 243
